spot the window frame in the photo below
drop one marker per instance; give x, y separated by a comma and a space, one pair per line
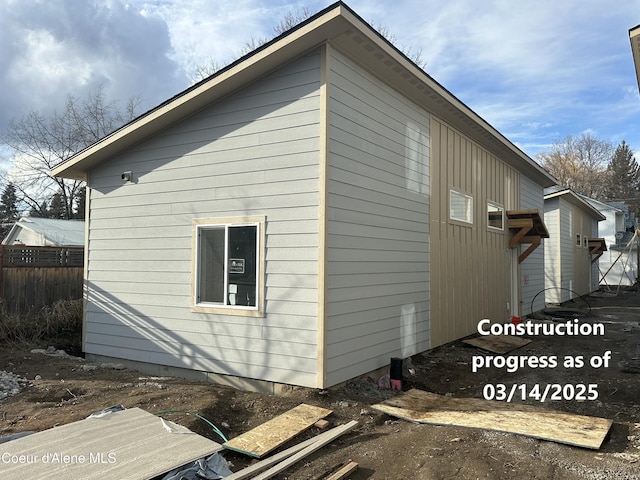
500, 208
462, 221
578, 241
225, 308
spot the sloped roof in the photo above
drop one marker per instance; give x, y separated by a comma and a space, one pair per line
573, 198
352, 36
601, 206
50, 231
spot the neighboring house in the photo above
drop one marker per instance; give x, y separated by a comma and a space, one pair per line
46, 232
619, 264
574, 247
305, 214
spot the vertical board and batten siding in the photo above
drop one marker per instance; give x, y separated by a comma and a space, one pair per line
583, 224
377, 224
255, 153
470, 263
532, 269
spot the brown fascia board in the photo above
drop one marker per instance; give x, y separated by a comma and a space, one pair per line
339, 26
578, 201
634, 38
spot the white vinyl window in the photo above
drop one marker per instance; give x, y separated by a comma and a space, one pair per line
495, 216
460, 207
578, 240
227, 265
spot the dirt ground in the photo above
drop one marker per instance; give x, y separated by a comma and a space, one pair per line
65, 389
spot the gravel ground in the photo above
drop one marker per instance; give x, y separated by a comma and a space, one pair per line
11, 384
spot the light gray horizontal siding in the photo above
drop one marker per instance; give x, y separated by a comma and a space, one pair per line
566, 250
532, 269
253, 154
552, 245
378, 227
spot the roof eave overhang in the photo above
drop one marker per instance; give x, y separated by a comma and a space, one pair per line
576, 200
346, 31
228, 80
634, 38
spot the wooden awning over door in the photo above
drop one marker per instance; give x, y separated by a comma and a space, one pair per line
529, 229
597, 246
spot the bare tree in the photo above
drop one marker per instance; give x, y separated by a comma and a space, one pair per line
289, 21
579, 163
204, 70
40, 142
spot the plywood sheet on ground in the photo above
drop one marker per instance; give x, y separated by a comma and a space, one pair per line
424, 407
497, 343
131, 444
270, 435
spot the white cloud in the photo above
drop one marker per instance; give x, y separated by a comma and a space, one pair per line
52, 49
537, 70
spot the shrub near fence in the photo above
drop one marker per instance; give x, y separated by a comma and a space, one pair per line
34, 277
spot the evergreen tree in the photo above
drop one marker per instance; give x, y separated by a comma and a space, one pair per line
57, 209
623, 178
9, 211
40, 210
81, 200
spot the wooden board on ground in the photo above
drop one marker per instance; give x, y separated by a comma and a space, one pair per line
348, 469
424, 407
315, 442
270, 435
131, 444
497, 343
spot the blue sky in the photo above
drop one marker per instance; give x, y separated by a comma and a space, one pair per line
537, 70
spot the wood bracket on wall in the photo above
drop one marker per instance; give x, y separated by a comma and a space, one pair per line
529, 229
597, 246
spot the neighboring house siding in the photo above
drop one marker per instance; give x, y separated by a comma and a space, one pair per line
378, 224
594, 266
255, 153
532, 269
470, 264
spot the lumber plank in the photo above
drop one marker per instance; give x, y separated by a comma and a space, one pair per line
425, 407
262, 465
497, 343
348, 469
270, 435
337, 431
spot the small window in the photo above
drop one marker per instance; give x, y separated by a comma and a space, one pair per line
585, 241
227, 266
578, 240
495, 216
460, 207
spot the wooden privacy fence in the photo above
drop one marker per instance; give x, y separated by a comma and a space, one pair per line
33, 277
